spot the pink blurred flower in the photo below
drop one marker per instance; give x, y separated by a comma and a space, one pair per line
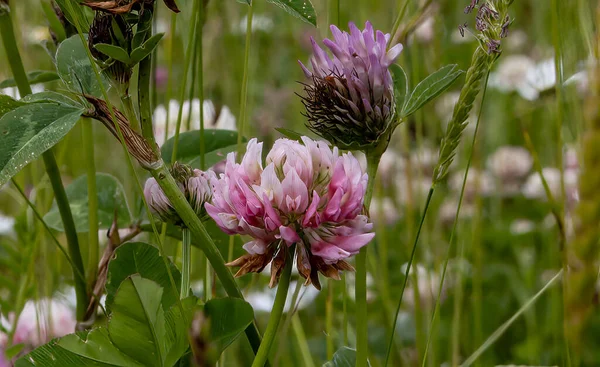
41, 321
306, 195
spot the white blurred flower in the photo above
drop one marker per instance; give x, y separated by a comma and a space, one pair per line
14, 92
534, 188
428, 284
521, 226
424, 160
510, 164
542, 77
448, 209
517, 40
413, 194
263, 300
260, 23
511, 76
36, 35
571, 159
7, 226
478, 182
224, 119
424, 32
444, 106
384, 209
41, 321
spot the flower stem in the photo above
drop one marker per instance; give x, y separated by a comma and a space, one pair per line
244, 91
362, 347
206, 244
93, 245
186, 261
282, 290
18, 71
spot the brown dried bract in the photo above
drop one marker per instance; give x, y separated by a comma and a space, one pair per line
124, 6
252, 263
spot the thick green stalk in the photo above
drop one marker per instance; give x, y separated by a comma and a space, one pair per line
186, 261
193, 223
362, 340
90, 168
144, 76
244, 91
282, 290
16, 66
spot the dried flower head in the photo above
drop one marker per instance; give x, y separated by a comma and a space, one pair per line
350, 100
113, 30
194, 184
307, 195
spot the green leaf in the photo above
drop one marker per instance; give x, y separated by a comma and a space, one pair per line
302, 9
137, 323
49, 96
136, 333
30, 130
430, 87
188, 147
146, 48
143, 259
74, 68
400, 86
34, 77
289, 134
7, 104
114, 52
96, 346
214, 157
228, 318
111, 197
53, 355
13, 350
178, 326
343, 357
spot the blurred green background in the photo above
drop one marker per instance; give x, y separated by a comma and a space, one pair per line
506, 247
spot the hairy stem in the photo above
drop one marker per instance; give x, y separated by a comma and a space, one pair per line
206, 244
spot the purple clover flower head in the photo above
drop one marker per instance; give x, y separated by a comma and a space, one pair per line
158, 202
195, 187
350, 101
306, 194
